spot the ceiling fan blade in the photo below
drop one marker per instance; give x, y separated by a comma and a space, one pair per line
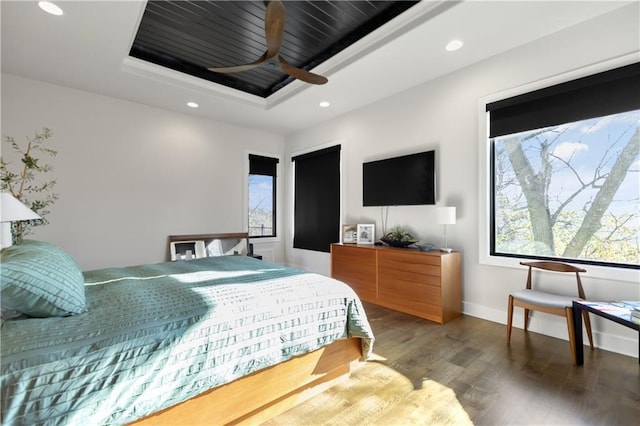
300, 74
274, 33
274, 27
238, 68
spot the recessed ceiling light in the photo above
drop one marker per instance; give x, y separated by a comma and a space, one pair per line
325, 104
454, 45
192, 105
51, 8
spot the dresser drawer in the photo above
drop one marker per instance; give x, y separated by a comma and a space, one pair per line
356, 268
409, 264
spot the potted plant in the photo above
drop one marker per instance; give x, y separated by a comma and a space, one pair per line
28, 183
398, 238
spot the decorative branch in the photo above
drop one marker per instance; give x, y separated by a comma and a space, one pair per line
24, 185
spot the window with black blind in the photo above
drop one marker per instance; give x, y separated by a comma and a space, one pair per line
565, 181
317, 199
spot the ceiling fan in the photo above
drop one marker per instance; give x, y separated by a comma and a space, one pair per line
274, 32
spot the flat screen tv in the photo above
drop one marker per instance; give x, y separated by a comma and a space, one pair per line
400, 181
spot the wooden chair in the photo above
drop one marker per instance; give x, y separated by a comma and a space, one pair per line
535, 300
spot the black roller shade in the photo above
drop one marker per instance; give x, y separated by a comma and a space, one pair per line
317, 199
597, 95
259, 165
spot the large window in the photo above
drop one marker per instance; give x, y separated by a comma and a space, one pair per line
262, 196
317, 199
565, 170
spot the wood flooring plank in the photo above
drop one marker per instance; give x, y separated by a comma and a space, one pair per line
464, 372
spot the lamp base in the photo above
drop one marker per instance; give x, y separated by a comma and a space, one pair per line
5, 238
446, 250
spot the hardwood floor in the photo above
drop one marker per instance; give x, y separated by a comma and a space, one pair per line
464, 372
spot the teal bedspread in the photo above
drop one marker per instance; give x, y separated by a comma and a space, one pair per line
156, 335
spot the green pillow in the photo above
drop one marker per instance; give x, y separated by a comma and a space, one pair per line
41, 280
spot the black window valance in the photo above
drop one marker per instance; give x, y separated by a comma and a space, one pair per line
260, 165
605, 93
319, 153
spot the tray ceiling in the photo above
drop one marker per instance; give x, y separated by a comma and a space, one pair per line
191, 36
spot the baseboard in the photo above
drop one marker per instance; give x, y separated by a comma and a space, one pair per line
267, 254
555, 327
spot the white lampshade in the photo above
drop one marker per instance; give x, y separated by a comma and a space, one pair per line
12, 209
446, 215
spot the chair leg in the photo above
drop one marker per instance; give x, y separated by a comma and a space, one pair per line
587, 325
509, 318
572, 335
526, 320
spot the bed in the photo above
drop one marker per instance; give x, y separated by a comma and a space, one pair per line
216, 340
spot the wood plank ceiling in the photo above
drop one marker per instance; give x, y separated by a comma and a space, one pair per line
191, 36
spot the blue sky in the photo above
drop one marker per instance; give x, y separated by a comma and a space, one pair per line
260, 192
587, 145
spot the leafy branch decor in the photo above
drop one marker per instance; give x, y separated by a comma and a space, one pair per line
28, 183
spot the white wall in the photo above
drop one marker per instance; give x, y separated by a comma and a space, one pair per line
443, 114
129, 175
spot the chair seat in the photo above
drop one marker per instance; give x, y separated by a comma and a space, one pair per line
541, 298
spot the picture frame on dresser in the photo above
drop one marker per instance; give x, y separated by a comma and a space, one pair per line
349, 234
366, 233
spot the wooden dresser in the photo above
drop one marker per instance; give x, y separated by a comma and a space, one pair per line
424, 284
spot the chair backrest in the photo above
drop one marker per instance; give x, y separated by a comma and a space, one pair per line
556, 267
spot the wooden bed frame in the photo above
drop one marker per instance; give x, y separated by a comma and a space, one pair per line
263, 395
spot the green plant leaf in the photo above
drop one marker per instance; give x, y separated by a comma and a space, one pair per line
29, 183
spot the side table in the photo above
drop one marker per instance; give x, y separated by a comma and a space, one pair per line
613, 311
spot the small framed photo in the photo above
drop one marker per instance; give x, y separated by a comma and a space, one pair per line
366, 233
187, 250
349, 234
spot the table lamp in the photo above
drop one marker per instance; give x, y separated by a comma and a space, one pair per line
446, 216
12, 210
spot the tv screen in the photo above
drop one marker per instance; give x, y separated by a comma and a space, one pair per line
400, 181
